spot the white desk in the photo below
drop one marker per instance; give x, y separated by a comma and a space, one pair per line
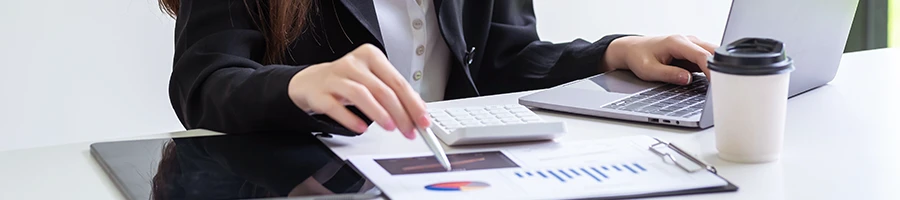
840, 144
841, 141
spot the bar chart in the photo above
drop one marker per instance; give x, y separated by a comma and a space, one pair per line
598, 174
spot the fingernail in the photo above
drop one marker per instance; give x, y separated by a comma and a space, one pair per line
424, 121
362, 127
389, 125
684, 78
409, 134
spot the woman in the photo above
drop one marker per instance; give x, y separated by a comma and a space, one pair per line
291, 66
252, 66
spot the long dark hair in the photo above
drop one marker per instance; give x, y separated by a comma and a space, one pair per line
163, 185
281, 24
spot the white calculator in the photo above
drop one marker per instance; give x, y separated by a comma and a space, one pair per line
492, 124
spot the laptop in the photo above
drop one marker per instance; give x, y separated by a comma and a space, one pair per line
814, 33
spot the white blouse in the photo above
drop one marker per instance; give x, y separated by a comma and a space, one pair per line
412, 40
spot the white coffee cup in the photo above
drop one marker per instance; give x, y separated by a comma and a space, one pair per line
749, 84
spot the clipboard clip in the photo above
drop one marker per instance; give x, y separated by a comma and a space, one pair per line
668, 157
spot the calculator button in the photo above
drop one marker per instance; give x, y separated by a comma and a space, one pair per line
459, 114
532, 119
480, 112
464, 117
474, 109
485, 117
494, 107
476, 125
512, 106
485, 113
497, 110
443, 119
517, 121
468, 121
456, 109
495, 113
439, 114
525, 115
505, 115
520, 111
510, 120
451, 122
471, 123
492, 123
490, 120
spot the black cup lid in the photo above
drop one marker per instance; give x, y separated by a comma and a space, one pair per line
751, 56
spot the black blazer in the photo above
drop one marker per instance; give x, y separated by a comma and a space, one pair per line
218, 83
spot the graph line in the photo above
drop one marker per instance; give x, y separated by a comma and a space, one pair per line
592, 175
639, 167
564, 173
557, 176
598, 172
629, 169
574, 172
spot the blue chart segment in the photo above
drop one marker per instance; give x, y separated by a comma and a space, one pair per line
595, 173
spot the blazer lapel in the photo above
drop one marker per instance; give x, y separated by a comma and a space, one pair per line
450, 20
364, 11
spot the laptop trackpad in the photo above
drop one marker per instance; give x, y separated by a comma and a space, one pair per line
622, 82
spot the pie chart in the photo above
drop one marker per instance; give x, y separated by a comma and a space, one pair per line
457, 186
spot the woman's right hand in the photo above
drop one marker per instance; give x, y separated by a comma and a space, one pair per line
363, 78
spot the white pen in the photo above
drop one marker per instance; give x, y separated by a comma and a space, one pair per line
434, 145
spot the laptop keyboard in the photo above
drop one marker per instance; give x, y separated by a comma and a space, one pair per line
668, 100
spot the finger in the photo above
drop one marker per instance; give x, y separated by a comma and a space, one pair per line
385, 96
709, 47
665, 73
360, 96
330, 106
411, 102
682, 48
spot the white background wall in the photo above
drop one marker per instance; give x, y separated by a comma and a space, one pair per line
83, 70
563, 20
98, 69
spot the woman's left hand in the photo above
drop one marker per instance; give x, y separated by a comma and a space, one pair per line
650, 58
